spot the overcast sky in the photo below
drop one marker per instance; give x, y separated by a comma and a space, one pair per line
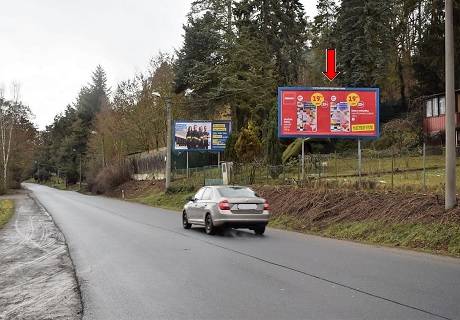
51, 46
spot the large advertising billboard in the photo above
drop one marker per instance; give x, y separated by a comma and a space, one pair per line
328, 112
201, 135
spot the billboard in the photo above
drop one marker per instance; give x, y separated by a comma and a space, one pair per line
328, 112
201, 135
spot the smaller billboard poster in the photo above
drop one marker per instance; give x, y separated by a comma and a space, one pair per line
201, 135
328, 112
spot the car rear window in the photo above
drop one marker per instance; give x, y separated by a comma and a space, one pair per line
236, 192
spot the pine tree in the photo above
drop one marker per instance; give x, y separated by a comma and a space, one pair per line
197, 66
283, 27
324, 24
363, 42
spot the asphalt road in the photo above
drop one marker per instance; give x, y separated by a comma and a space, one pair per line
136, 262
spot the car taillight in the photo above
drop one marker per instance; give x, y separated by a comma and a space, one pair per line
224, 205
266, 205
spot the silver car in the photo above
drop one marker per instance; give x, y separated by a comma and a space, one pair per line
217, 207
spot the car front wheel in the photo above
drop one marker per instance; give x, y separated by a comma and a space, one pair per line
185, 223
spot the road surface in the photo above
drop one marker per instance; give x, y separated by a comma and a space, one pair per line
136, 262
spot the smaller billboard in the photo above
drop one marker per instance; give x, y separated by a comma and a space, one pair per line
201, 135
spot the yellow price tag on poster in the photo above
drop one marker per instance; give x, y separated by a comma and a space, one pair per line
353, 99
362, 127
317, 99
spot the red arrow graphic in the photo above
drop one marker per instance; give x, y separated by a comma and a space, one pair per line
331, 71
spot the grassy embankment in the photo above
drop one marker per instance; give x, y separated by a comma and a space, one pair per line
414, 230
440, 238
172, 201
6, 211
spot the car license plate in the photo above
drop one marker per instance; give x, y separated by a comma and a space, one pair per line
247, 206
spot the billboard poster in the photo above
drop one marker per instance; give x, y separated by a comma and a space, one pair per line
201, 135
220, 132
328, 112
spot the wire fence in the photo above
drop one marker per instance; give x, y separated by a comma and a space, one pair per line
403, 169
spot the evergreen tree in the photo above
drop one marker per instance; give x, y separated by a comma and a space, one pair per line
283, 27
197, 66
363, 41
249, 84
429, 60
324, 24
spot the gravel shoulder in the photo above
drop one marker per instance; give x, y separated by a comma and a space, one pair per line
37, 275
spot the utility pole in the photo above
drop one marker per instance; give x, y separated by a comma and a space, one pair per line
450, 200
168, 143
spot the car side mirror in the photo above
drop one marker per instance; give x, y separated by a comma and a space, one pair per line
191, 199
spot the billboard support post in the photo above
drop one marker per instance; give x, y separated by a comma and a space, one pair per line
303, 159
218, 159
450, 197
359, 160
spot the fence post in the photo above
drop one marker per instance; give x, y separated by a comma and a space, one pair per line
318, 165
204, 176
303, 159
424, 166
336, 168
188, 172
392, 168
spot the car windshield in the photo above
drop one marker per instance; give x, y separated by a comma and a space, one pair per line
237, 192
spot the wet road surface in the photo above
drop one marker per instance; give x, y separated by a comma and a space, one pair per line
136, 262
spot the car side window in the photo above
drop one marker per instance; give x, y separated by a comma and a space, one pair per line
207, 195
199, 194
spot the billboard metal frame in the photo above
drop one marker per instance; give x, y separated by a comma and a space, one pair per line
363, 137
199, 121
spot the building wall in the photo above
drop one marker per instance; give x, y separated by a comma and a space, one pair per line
434, 121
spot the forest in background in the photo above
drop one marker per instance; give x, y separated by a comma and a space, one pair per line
234, 56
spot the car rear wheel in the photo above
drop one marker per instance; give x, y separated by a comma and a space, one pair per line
185, 223
259, 230
209, 225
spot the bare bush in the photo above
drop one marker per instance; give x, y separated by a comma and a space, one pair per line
109, 178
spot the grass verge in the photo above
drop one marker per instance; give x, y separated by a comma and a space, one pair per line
172, 201
6, 211
441, 238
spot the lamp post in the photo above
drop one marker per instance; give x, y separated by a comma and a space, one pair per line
168, 139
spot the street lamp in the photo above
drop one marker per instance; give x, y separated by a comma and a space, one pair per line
168, 139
